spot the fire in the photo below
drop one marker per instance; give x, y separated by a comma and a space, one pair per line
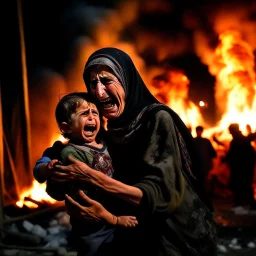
233, 67
37, 193
172, 88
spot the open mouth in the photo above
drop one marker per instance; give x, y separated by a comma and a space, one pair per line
108, 103
90, 128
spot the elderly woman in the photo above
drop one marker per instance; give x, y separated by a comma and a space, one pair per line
158, 174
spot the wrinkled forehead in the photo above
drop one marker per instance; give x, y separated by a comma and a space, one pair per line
100, 70
104, 64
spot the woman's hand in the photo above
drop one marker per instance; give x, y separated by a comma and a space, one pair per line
77, 171
46, 170
90, 211
51, 165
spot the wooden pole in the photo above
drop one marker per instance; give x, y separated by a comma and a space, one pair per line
11, 162
1, 167
25, 84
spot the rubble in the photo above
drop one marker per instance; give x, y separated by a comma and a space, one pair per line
236, 229
42, 235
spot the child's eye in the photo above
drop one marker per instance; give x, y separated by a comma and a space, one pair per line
85, 113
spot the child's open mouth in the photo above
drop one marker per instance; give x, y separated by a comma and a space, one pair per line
89, 128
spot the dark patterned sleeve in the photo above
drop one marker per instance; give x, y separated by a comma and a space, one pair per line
163, 181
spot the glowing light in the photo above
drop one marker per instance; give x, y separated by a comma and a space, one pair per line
201, 103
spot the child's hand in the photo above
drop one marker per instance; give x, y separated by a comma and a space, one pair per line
127, 221
51, 165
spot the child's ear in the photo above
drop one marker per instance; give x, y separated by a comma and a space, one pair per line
65, 128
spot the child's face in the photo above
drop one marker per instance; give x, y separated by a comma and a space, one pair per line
85, 123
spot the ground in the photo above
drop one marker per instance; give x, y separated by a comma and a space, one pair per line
236, 229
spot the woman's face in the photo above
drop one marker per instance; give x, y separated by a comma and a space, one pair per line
108, 90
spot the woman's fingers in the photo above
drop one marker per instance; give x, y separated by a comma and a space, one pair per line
85, 198
61, 168
73, 160
60, 176
73, 202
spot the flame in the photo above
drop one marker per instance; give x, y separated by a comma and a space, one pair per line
171, 88
233, 67
58, 137
232, 64
36, 192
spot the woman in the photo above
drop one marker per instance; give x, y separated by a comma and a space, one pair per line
157, 168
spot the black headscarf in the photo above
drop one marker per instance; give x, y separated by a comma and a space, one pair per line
137, 94
140, 103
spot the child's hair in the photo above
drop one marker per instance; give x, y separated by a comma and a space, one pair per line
68, 105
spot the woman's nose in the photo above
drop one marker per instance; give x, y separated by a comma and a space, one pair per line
100, 90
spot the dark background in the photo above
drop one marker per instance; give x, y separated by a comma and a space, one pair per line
51, 26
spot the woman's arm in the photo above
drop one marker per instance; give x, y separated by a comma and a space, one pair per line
128, 193
161, 188
95, 212
83, 173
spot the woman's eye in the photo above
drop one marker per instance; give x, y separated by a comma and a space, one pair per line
93, 84
105, 81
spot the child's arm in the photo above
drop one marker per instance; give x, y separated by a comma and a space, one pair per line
95, 212
43, 174
41, 171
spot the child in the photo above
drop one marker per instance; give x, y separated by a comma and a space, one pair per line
79, 122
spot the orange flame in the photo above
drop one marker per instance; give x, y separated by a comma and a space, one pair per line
171, 88
233, 67
36, 192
